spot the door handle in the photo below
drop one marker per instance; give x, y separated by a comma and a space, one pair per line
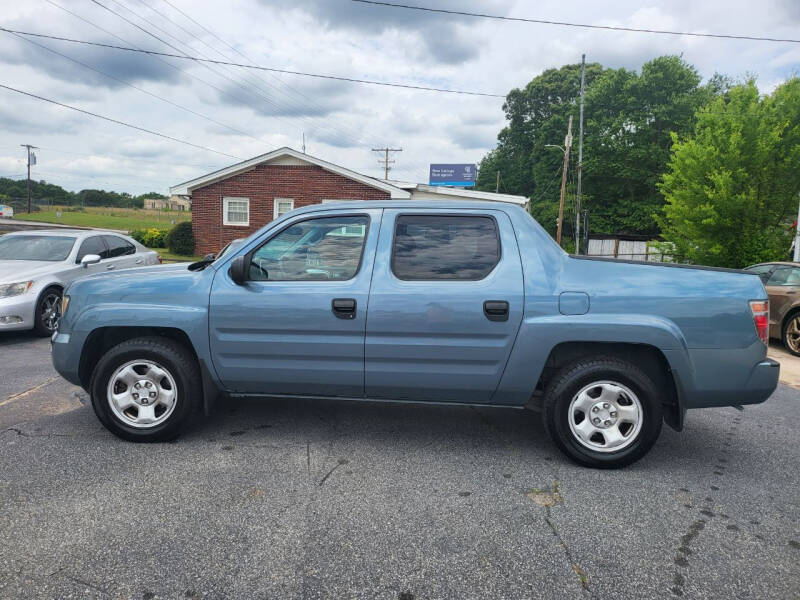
109, 267
344, 308
496, 310
139, 261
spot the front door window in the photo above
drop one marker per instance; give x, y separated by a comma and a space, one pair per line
317, 249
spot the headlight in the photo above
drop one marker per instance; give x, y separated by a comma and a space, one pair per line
14, 289
64, 304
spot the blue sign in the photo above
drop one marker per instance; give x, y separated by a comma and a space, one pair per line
459, 175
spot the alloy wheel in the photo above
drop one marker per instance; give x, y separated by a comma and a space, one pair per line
142, 393
605, 416
51, 311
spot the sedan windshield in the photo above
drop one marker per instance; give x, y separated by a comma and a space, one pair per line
35, 247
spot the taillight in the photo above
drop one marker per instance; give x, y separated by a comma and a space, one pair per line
160, 260
760, 310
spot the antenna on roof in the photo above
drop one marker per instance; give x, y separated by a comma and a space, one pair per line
304, 142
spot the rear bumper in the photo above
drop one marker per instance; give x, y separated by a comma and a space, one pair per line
762, 381
751, 385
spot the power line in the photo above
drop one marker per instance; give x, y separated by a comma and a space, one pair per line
254, 67
268, 95
135, 87
123, 157
291, 94
584, 25
166, 62
123, 123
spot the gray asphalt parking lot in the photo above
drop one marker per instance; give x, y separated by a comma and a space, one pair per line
297, 499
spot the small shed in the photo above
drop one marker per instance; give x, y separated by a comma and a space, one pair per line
626, 247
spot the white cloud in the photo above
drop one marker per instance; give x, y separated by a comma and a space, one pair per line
254, 112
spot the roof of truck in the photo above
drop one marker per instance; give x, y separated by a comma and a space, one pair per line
454, 204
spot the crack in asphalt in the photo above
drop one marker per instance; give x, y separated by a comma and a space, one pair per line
567, 552
25, 434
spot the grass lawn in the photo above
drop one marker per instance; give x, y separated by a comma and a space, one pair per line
169, 257
109, 218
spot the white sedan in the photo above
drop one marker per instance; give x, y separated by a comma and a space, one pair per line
36, 266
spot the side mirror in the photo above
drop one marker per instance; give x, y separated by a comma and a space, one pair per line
238, 270
90, 259
208, 257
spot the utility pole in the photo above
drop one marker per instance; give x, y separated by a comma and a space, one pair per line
385, 160
567, 146
497, 185
29, 147
580, 161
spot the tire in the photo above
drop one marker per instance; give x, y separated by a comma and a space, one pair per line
162, 407
790, 334
48, 311
626, 429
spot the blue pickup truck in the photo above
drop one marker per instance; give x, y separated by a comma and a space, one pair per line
449, 302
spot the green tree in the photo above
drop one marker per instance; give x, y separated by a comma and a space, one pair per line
537, 115
732, 188
629, 117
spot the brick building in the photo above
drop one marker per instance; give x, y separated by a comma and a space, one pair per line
238, 200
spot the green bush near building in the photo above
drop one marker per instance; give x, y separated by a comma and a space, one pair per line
180, 239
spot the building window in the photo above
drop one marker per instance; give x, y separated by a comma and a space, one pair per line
281, 207
236, 211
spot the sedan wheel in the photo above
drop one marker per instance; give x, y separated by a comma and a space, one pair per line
791, 335
48, 312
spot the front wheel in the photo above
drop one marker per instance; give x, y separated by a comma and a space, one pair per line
603, 412
48, 312
144, 389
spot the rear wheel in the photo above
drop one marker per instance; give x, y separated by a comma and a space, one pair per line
144, 389
48, 312
791, 334
603, 412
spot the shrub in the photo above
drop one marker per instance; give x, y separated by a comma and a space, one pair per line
152, 238
137, 234
180, 239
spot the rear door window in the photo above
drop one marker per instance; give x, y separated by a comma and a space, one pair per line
92, 245
118, 247
445, 247
785, 276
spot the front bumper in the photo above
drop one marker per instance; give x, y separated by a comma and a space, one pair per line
17, 312
66, 360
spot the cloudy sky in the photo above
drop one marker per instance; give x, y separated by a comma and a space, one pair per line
245, 113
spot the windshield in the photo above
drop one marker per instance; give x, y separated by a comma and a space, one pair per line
35, 247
